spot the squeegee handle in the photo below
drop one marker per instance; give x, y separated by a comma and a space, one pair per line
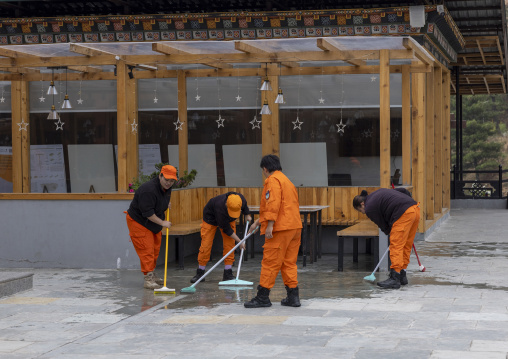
241, 253
227, 254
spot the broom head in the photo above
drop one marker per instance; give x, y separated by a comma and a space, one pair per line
370, 278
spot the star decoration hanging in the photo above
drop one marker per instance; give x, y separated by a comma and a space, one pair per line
321, 100
198, 97
22, 125
297, 124
373, 79
220, 122
340, 127
41, 99
396, 134
134, 126
255, 123
178, 125
59, 125
155, 99
2, 99
367, 133
80, 101
238, 98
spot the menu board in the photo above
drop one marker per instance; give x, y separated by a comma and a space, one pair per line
5, 169
47, 169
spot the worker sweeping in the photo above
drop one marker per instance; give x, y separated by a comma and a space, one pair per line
397, 215
221, 212
279, 217
145, 220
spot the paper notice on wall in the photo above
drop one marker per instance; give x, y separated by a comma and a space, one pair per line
5, 169
47, 168
149, 156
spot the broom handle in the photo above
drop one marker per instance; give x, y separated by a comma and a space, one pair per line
418, 258
227, 254
166, 260
241, 253
383, 257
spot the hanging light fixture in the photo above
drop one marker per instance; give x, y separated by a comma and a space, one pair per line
265, 110
53, 115
66, 102
280, 96
266, 84
52, 89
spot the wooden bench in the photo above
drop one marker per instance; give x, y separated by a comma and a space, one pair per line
364, 229
179, 231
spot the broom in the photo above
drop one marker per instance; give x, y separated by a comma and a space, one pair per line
372, 277
238, 281
422, 267
165, 290
192, 288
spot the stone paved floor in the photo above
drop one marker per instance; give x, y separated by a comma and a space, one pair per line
457, 308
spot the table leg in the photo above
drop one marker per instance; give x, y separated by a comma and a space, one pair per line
181, 252
313, 230
376, 250
355, 249
340, 254
319, 234
304, 240
368, 245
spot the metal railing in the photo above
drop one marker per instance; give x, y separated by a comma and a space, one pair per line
484, 185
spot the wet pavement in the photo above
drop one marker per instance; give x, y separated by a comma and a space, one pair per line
457, 308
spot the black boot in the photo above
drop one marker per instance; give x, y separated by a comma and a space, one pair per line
292, 300
228, 274
393, 282
260, 300
199, 274
403, 277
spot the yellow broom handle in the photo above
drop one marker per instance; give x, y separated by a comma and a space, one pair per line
166, 260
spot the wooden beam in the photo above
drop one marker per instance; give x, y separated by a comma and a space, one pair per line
249, 48
384, 118
429, 146
94, 69
481, 51
167, 49
420, 55
122, 124
326, 45
406, 126
438, 142
17, 135
132, 132
486, 84
270, 137
446, 139
88, 51
183, 134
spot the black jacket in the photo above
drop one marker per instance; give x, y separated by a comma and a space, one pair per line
385, 206
215, 212
149, 199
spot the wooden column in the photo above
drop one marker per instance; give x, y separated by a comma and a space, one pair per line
183, 134
384, 118
438, 143
132, 130
406, 125
270, 139
446, 139
418, 145
21, 178
430, 120
122, 123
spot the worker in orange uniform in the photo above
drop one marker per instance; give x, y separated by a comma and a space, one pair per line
221, 211
397, 215
279, 218
145, 220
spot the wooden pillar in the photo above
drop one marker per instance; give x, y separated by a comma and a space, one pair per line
438, 143
446, 139
122, 123
270, 139
406, 125
384, 118
183, 134
20, 103
430, 120
132, 130
418, 145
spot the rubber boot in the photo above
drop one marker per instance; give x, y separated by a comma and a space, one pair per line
199, 274
292, 300
403, 277
150, 282
393, 282
260, 300
157, 279
228, 274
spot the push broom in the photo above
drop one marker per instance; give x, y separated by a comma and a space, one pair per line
192, 288
372, 277
165, 290
238, 281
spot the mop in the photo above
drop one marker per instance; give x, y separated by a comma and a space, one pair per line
238, 281
192, 288
422, 267
165, 290
372, 277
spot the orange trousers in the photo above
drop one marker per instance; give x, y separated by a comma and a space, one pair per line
207, 236
146, 243
280, 254
402, 236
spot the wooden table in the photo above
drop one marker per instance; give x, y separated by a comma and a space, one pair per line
364, 229
312, 235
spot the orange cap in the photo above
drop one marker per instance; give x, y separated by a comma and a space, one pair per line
169, 172
234, 204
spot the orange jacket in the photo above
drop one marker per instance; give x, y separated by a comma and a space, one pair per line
279, 203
